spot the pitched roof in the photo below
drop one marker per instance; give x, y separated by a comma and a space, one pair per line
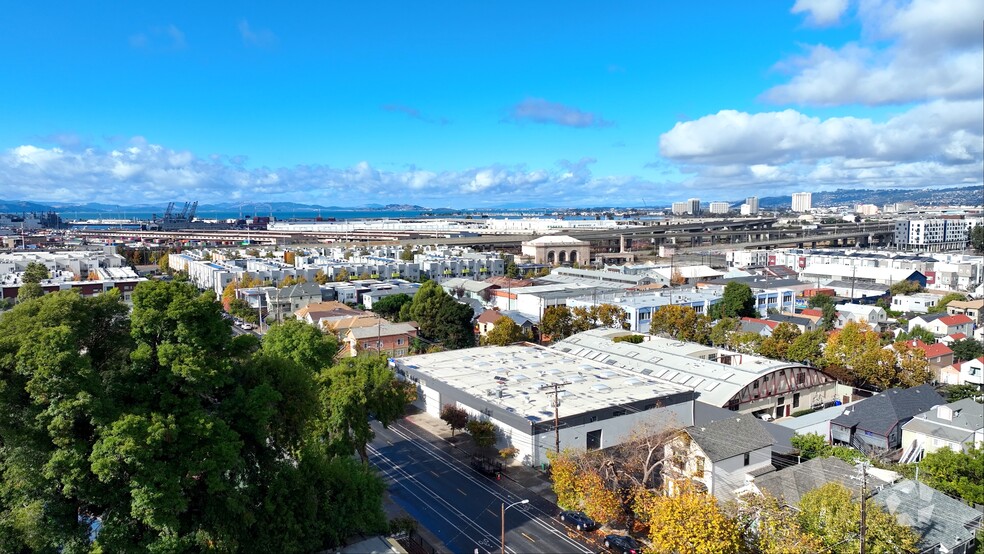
384, 329
884, 410
727, 438
934, 350
966, 416
969, 304
957, 336
812, 312
490, 316
794, 319
934, 516
768, 323
791, 483
959, 319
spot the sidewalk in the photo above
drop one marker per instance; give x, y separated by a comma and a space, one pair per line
393, 510
531, 479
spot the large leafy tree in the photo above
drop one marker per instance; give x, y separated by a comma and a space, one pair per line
389, 307
504, 332
770, 527
165, 429
440, 317
690, 522
777, 344
301, 343
723, 330
967, 349
827, 307
977, 238
737, 300
956, 473
833, 516
557, 322
940, 307
681, 323
808, 347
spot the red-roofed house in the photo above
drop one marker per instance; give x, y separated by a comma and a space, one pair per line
942, 324
950, 339
812, 312
937, 354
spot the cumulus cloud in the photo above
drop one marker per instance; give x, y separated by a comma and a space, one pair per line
910, 51
821, 12
141, 172
538, 110
164, 38
414, 113
939, 143
263, 38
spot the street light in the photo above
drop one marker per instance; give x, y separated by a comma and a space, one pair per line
504, 508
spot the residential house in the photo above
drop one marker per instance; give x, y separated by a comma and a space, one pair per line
950, 339
719, 457
937, 354
803, 322
283, 302
943, 324
874, 316
392, 339
468, 288
943, 524
919, 303
382, 290
487, 320
875, 423
817, 422
763, 327
958, 426
972, 373
974, 309
321, 314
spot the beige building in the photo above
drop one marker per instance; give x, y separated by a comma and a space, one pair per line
559, 249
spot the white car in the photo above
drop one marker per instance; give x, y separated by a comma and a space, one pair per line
247, 326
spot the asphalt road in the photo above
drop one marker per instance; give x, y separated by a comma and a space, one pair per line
461, 506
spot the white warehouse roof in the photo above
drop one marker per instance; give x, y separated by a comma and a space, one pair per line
522, 374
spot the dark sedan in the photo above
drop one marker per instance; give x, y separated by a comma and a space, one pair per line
578, 520
622, 544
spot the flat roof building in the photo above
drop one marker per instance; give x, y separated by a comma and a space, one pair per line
512, 386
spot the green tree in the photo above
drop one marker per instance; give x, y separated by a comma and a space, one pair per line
827, 307
441, 318
407, 253
29, 291
776, 346
723, 329
959, 392
512, 271
301, 343
956, 473
164, 261
967, 349
905, 287
737, 301
830, 514
681, 323
557, 322
454, 416
388, 307
610, 315
504, 332
810, 446
977, 238
940, 307
919, 333
808, 347
35, 272
769, 527
482, 432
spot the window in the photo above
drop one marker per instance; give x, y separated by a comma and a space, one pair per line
801, 378
748, 458
782, 400
593, 440
399, 342
796, 400
699, 472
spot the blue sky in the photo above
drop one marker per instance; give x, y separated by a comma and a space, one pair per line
486, 104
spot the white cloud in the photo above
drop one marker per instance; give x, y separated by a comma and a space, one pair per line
263, 38
538, 110
159, 38
144, 172
910, 51
940, 143
822, 12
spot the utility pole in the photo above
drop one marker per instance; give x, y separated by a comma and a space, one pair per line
864, 497
556, 403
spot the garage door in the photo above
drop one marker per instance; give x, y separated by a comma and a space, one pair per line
432, 401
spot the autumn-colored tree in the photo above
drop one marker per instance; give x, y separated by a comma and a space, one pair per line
564, 473
768, 527
833, 516
163, 262
504, 332
321, 277
598, 501
808, 348
92, 276
289, 257
677, 278
746, 342
687, 523
777, 344
456, 417
912, 368
342, 275
610, 315
556, 322
682, 323
859, 349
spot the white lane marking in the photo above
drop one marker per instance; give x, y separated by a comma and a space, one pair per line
456, 465
407, 476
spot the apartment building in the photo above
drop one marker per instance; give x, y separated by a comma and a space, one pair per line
719, 207
802, 201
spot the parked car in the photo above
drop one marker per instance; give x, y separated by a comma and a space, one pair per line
247, 326
578, 520
622, 544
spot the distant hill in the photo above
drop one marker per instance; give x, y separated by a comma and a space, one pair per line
973, 195
17, 206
